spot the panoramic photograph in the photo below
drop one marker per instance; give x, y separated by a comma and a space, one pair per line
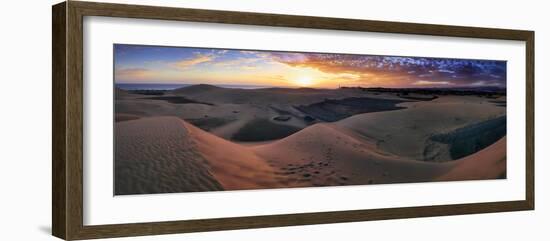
190, 119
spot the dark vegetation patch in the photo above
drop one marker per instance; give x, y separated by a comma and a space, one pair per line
308, 119
471, 139
209, 123
263, 130
284, 114
419, 97
491, 95
125, 117
500, 103
333, 110
282, 118
487, 92
178, 100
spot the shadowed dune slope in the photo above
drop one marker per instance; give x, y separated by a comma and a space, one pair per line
489, 163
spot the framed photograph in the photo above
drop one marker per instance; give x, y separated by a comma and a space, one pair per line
171, 120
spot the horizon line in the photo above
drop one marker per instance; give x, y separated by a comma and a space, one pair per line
227, 86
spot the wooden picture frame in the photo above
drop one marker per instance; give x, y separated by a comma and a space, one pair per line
67, 152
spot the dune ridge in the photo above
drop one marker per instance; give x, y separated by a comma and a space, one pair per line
167, 154
234, 165
325, 155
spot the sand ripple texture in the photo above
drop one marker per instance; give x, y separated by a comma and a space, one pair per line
155, 155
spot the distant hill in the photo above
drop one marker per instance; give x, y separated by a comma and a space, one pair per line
439, 91
195, 89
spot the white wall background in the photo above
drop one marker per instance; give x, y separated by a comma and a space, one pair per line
25, 120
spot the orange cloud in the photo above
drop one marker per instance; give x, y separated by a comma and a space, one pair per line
132, 73
347, 69
199, 58
243, 62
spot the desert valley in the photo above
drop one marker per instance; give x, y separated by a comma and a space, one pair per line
209, 138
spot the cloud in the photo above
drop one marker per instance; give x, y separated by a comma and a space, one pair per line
348, 76
408, 70
427, 82
445, 71
197, 59
486, 83
132, 73
248, 67
240, 62
248, 52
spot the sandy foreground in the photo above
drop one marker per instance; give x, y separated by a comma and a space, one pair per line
160, 147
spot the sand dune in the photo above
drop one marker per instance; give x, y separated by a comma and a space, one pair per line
157, 155
325, 154
234, 166
184, 145
165, 154
225, 112
407, 132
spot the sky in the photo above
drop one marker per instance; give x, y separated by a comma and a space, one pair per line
141, 64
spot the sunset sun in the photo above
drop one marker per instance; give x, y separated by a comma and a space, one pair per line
304, 81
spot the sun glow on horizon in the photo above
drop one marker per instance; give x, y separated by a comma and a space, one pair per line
304, 81
158, 64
